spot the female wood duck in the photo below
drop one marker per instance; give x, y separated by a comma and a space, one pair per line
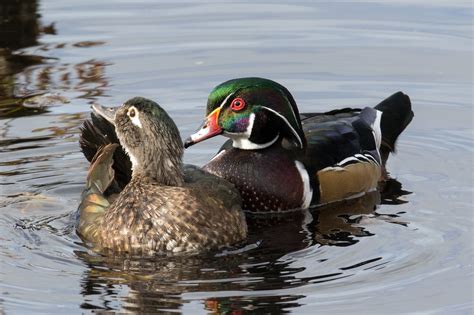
162, 208
280, 160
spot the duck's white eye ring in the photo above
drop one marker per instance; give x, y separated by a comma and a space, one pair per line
134, 117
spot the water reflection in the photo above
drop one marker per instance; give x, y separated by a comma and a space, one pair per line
19, 28
26, 79
19, 23
91, 77
27, 92
265, 262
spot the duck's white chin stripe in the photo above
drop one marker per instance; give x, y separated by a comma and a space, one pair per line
246, 144
241, 140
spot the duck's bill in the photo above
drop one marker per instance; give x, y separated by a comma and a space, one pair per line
107, 113
209, 129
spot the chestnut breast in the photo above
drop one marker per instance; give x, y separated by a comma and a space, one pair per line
267, 179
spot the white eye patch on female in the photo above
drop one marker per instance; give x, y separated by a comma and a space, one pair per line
134, 116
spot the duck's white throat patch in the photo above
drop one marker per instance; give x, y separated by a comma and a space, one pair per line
246, 144
134, 160
241, 140
132, 157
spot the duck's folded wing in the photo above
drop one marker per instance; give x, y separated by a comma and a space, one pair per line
342, 152
335, 136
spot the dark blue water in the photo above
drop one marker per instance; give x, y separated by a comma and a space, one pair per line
412, 254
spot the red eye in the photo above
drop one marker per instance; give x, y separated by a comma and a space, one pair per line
237, 104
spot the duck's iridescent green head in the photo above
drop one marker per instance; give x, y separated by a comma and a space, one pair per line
149, 136
253, 112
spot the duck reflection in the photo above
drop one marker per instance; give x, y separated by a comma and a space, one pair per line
168, 283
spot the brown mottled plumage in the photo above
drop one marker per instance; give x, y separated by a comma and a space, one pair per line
160, 210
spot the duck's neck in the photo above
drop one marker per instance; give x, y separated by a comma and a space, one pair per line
247, 144
163, 169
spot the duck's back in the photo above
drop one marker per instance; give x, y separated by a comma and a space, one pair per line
148, 218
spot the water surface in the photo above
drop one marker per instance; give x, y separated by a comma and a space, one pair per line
411, 253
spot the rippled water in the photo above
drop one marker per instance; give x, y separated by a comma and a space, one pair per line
411, 254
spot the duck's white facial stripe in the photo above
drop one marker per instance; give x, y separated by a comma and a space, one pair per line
134, 116
288, 123
248, 131
226, 99
241, 140
307, 190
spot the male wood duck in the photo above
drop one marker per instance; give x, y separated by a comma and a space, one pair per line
279, 159
163, 208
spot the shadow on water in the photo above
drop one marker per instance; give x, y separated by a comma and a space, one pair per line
236, 280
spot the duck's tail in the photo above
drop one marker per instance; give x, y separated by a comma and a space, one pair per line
95, 134
396, 115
